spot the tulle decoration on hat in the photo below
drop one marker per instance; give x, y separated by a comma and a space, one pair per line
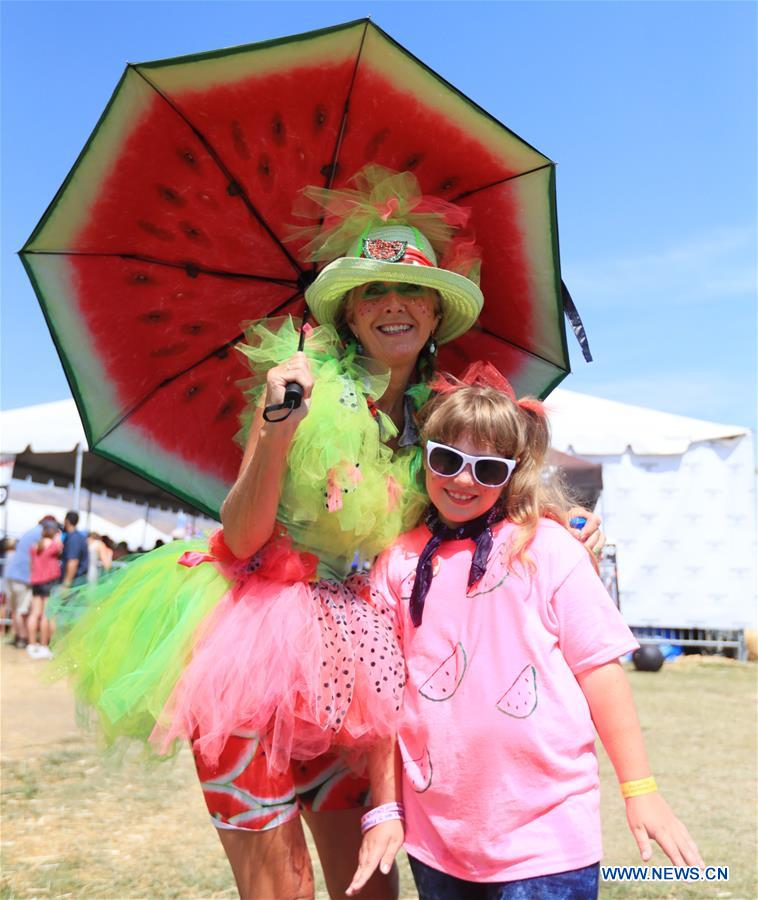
463, 256
381, 196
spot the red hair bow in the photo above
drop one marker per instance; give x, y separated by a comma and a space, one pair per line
477, 374
484, 374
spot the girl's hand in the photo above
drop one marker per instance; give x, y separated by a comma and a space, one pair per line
379, 848
296, 368
589, 534
650, 817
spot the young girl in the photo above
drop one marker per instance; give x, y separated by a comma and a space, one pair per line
511, 645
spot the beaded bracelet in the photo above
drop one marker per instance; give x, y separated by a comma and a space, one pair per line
638, 788
383, 813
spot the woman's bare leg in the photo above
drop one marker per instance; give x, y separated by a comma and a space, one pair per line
268, 864
32, 623
338, 838
44, 625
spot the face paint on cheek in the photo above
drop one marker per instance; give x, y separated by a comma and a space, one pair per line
365, 307
422, 308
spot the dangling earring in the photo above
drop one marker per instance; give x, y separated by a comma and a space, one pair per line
431, 346
358, 345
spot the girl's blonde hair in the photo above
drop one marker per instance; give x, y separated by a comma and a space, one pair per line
515, 429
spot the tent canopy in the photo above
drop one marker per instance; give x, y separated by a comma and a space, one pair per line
591, 426
44, 439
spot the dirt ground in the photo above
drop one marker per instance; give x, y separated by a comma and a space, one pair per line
22, 698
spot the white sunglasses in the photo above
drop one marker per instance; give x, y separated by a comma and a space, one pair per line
489, 471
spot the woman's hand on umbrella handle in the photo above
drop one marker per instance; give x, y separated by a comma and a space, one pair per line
298, 369
589, 533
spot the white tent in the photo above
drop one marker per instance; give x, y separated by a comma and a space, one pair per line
679, 503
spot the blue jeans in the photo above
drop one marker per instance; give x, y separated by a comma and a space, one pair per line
579, 884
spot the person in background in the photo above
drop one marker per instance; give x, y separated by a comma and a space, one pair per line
18, 582
100, 557
7, 549
75, 556
45, 573
120, 552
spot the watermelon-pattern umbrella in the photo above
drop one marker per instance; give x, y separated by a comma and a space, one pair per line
168, 233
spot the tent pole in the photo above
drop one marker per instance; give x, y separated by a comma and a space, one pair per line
6, 505
78, 477
89, 509
7, 461
144, 526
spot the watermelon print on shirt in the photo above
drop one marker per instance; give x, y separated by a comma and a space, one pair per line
495, 734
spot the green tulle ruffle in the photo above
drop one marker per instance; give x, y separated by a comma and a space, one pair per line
133, 637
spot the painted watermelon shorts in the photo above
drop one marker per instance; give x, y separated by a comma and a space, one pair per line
240, 793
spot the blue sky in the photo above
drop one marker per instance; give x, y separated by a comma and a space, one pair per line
649, 109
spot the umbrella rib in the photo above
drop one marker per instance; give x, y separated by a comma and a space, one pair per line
499, 181
499, 337
332, 173
234, 185
192, 269
345, 110
283, 305
167, 381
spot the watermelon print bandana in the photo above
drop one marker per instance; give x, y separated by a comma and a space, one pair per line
477, 530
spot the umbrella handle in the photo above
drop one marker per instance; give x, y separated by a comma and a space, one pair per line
293, 391
293, 397
293, 394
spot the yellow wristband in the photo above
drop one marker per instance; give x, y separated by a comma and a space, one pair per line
638, 788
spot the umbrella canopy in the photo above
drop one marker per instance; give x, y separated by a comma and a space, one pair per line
169, 232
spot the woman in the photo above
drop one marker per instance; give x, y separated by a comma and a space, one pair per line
237, 648
100, 557
45, 574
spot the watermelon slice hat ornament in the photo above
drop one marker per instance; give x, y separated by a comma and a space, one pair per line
171, 229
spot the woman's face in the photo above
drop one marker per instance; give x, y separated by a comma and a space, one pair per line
393, 322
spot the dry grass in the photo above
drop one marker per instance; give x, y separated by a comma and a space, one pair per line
74, 827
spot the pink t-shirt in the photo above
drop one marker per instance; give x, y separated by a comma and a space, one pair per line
500, 774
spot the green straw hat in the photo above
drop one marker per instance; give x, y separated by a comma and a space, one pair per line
396, 254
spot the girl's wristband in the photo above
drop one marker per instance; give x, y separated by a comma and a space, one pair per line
383, 813
638, 788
